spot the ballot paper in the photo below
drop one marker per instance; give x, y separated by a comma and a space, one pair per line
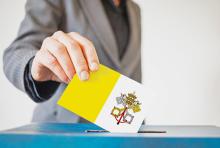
108, 99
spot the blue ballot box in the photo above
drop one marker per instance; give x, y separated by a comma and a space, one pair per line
53, 135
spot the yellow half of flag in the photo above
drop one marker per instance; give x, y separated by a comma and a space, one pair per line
86, 98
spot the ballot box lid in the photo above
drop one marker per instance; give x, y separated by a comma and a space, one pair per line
69, 129
77, 135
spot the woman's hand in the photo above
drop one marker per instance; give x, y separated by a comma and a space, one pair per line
62, 55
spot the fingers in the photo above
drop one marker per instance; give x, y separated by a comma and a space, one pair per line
59, 51
62, 55
75, 54
49, 61
88, 50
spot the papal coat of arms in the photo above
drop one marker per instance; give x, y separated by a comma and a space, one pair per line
130, 104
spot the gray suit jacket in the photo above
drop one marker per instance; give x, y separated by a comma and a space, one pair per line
44, 17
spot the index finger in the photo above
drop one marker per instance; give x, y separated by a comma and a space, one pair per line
88, 50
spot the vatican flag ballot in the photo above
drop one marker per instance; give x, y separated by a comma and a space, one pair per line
108, 99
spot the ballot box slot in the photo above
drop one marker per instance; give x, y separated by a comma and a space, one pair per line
141, 131
152, 132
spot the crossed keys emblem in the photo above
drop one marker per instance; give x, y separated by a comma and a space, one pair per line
130, 103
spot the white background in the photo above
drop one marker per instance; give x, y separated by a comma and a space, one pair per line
181, 62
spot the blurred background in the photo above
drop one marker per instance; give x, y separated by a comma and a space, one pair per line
181, 62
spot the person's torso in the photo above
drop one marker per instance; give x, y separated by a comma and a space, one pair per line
90, 20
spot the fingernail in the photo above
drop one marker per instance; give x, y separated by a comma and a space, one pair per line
84, 75
94, 66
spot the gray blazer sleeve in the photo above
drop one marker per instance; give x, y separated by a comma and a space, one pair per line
42, 19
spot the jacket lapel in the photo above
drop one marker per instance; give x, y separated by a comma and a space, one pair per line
133, 53
99, 22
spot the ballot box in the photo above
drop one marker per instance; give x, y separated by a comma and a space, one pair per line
52, 135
